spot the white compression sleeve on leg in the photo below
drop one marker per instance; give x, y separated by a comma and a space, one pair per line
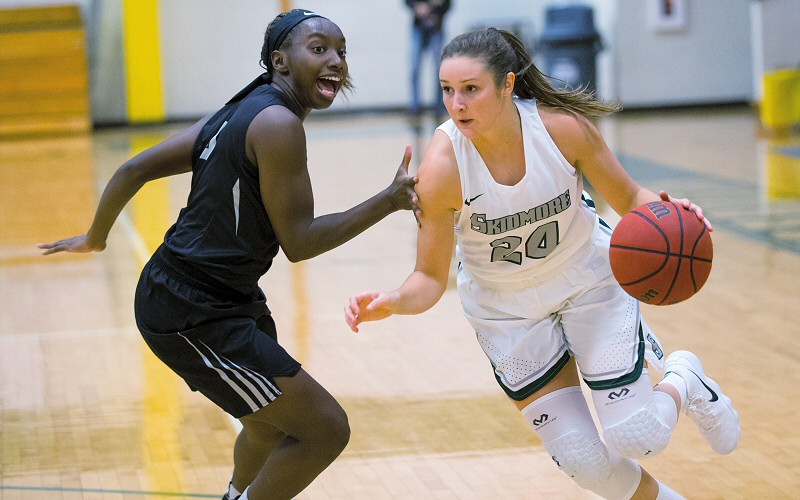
635, 423
563, 422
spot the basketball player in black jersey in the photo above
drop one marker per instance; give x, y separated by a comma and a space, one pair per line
198, 303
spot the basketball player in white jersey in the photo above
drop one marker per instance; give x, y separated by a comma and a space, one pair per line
534, 274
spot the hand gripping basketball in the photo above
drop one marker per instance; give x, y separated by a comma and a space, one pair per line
661, 253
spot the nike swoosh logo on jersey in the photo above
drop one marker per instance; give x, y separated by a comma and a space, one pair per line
714, 396
467, 202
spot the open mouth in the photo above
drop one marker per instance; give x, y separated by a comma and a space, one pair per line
329, 85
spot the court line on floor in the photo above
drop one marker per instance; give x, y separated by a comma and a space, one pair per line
135, 238
113, 492
79, 334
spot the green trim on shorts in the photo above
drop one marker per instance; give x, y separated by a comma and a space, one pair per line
539, 383
625, 379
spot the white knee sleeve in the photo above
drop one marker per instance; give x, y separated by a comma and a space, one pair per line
563, 422
633, 424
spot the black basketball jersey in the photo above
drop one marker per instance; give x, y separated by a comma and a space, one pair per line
224, 234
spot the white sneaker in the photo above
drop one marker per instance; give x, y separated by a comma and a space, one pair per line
710, 409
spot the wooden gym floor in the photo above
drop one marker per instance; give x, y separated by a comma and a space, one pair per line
86, 412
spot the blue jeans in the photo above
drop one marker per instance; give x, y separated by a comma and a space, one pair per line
425, 41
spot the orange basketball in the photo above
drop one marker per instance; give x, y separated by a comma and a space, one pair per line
661, 253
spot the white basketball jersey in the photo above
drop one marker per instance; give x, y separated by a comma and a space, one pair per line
520, 233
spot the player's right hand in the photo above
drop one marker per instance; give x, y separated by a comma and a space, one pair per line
76, 244
688, 205
368, 306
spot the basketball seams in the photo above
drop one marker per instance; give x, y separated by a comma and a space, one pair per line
658, 270
694, 249
661, 252
680, 256
656, 227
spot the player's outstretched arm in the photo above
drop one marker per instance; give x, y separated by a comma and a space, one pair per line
173, 156
439, 190
278, 144
417, 294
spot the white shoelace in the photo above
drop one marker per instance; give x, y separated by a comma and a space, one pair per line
705, 418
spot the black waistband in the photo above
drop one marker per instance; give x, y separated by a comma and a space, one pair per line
178, 269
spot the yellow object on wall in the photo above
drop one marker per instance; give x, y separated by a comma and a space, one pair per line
143, 61
783, 175
781, 105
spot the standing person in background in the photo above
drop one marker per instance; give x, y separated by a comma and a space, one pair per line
427, 35
505, 174
198, 304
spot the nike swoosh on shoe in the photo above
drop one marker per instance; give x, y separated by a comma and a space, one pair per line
714, 396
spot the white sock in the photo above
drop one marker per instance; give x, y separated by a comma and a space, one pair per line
676, 381
244, 495
667, 493
232, 491
666, 408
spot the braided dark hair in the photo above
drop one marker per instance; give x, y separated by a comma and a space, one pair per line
265, 52
503, 52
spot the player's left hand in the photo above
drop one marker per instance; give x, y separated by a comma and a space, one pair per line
401, 192
688, 205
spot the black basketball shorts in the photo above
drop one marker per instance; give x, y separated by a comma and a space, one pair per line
223, 345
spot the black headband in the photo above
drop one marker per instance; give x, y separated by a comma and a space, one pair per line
281, 30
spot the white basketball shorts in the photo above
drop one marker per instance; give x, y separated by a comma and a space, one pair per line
530, 333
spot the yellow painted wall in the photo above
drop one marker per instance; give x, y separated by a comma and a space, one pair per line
143, 61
